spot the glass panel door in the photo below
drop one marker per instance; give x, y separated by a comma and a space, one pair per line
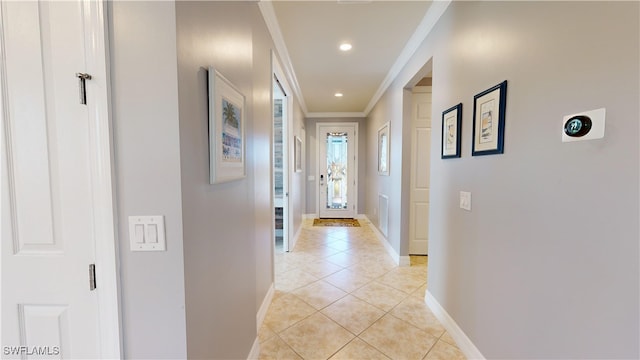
337, 194
337, 166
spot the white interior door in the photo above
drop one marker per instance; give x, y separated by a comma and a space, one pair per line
420, 164
337, 163
48, 198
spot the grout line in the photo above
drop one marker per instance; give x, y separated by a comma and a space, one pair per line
379, 350
355, 244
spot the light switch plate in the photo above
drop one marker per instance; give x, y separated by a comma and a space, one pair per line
151, 238
465, 200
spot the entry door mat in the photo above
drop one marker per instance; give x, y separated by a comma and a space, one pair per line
336, 222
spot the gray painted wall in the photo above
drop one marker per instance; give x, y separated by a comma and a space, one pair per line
311, 160
262, 165
388, 108
220, 274
513, 273
227, 227
298, 186
147, 166
219, 258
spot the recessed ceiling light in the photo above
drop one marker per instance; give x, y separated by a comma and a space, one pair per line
338, 94
345, 46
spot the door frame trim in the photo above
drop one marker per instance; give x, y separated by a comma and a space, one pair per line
102, 178
413, 160
279, 75
356, 135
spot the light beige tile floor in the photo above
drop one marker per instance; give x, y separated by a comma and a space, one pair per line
340, 296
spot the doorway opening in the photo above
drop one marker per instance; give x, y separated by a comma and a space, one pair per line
418, 114
420, 163
280, 168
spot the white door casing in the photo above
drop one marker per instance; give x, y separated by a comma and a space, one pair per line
281, 82
57, 198
324, 180
420, 165
281, 200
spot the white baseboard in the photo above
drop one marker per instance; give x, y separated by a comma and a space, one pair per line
262, 312
309, 216
294, 239
404, 261
462, 340
254, 354
399, 260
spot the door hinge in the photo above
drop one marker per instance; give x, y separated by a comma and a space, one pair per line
83, 88
92, 277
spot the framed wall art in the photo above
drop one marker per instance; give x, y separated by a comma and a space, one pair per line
451, 132
226, 130
383, 150
488, 120
297, 154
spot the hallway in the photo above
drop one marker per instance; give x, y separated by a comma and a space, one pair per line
339, 295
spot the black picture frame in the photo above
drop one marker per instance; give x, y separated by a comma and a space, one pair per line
451, 136
488, 136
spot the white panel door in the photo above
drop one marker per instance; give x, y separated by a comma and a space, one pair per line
337, 170
47, 196
420, 164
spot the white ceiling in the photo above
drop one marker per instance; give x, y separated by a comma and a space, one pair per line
384, 35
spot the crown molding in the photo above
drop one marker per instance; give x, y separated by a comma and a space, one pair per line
432, 16
271, 20
424, 28
335, 115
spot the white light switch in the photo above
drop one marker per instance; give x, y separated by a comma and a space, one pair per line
139, 233
146, 233
465, 200
152, 233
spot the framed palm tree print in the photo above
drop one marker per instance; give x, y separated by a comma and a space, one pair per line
226, 130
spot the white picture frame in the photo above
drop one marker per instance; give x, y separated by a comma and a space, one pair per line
297, 158
227, 142
383, 150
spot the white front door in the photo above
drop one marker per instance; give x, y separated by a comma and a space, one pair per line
420, 164
48, 177
337, 170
